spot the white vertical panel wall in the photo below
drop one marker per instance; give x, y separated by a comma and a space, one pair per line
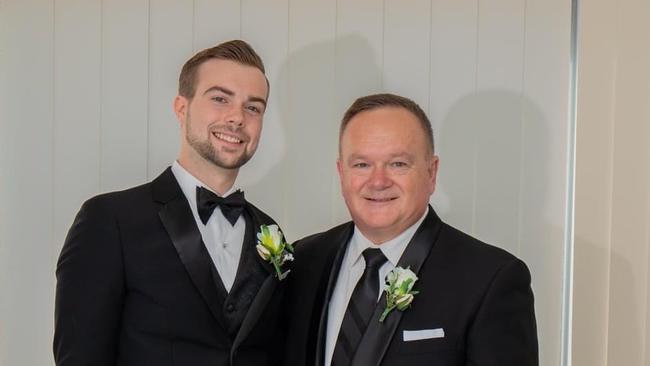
124, 93
405, 67
26, 181
265, 25
77, 96
87, 90
453, 71
543, 162
171, 38
310, 117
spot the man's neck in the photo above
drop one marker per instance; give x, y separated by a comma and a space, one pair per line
218, 179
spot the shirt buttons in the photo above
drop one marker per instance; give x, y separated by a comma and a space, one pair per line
224, 245
230, 308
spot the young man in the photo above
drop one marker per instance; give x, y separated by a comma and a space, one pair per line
470, 303
167, 273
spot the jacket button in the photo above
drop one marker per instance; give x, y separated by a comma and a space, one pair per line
230, 308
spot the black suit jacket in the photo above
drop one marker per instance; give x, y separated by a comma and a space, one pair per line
136, 286
477, 294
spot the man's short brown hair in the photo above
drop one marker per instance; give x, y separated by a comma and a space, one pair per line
383, 100
235, 50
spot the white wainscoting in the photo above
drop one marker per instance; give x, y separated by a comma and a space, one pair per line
87, 87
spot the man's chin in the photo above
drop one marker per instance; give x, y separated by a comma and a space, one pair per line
378, 223
230, 164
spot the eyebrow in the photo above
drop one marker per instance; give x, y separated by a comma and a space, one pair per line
231, 93
404, 155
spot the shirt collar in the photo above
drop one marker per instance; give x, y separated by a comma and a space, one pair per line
392, 249
188, 184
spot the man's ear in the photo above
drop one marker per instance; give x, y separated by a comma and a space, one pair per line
181, 105
339, 169
433, 172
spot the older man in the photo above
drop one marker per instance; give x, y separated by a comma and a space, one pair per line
453, 300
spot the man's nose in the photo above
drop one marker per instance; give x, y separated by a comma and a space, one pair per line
235, 116
379, 178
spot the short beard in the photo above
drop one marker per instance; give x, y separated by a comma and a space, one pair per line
207, 151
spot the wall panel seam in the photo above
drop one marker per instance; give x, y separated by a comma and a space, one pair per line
148, 97
383, 42
101, 95
289, 106
430, 57
333, 190
193, 26
53, 245
474, 142
612, 153
522, 132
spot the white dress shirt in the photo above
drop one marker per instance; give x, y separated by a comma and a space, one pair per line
223, 241
352, 269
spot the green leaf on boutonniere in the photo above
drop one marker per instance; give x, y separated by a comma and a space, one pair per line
399, 290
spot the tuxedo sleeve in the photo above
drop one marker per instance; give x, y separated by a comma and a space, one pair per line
90, 289
504, 332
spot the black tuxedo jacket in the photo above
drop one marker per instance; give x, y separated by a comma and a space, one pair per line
478, 295
136, 286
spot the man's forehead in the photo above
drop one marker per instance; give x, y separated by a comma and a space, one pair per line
236, 78
229, 71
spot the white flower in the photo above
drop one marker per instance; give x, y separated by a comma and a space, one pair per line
273, 249
271, 238
399, 290
263, 252
404, 276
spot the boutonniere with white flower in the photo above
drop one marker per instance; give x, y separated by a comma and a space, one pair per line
273, 249
399, 290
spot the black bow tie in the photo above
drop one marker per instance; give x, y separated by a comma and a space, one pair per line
231, 206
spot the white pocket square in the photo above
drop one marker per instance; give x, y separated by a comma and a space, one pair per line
416, 335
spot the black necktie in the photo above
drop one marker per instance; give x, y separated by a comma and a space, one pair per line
231, 206
360, 308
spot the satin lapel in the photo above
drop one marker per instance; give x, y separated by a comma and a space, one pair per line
251, 238
268, 287
177, 218
378, 335
343, 239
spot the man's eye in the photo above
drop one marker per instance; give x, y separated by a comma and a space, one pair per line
399, 164
219, 99
360, 165
254, 109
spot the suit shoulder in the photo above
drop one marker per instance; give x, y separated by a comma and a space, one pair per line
474, 251
116, 199
324, 239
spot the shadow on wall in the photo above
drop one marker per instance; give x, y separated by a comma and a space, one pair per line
487, 144
293, 175
499, 182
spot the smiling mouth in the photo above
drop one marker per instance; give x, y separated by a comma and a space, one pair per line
381, 200
227, 138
